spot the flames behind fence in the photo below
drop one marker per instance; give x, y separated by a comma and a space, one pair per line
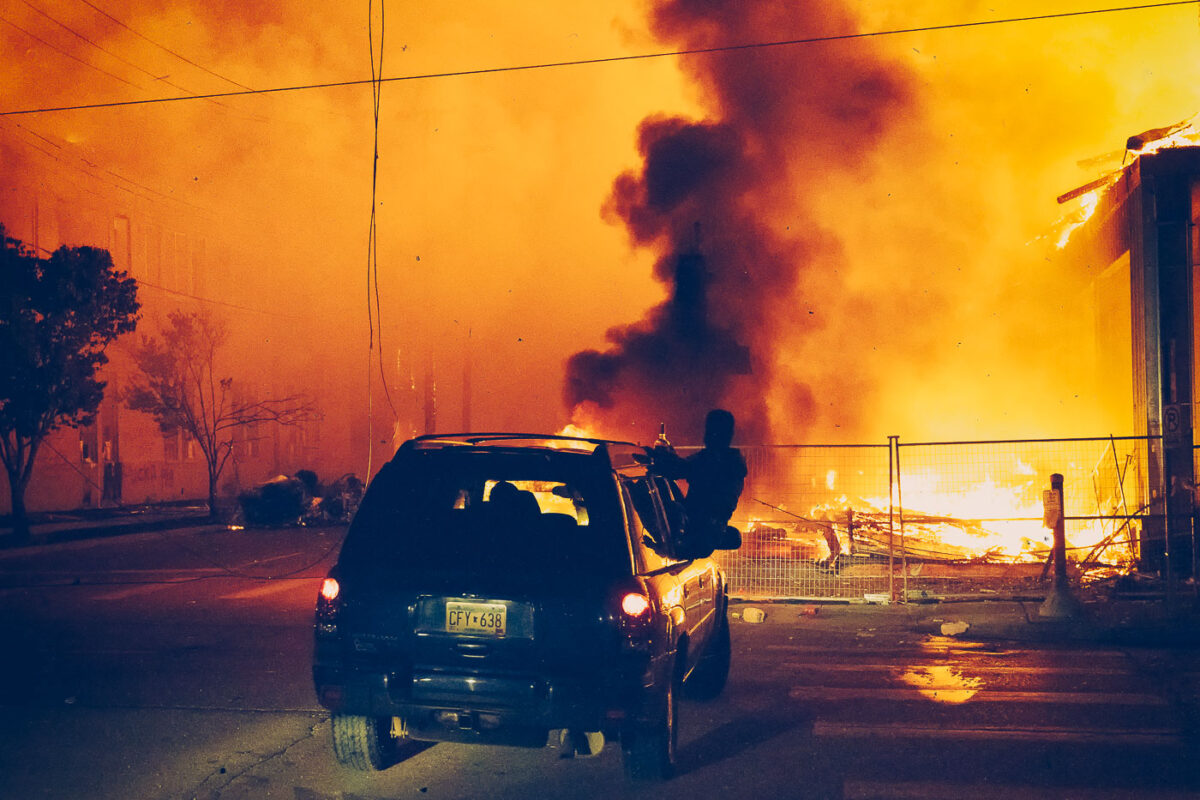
899, 520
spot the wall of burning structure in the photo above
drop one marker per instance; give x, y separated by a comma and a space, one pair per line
1141, 240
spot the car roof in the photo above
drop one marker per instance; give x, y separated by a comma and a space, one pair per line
619, 455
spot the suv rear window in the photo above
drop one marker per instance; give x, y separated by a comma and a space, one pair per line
470, 510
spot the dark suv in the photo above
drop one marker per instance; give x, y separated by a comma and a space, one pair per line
518, 590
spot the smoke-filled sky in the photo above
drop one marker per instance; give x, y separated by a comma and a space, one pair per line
867, 212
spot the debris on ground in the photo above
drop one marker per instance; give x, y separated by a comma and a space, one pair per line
301, 499
279, 501
954, 628
340, 499
754, 615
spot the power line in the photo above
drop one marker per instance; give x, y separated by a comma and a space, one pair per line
372, 230
110, 53
615, 59
219, 302
76, 156
71, 56
88, 41
164, 48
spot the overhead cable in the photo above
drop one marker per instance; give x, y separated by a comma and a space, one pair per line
71, 56
612, 59
116, 56
164, 48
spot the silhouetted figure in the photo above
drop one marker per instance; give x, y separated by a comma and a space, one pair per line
512, 506
715, 476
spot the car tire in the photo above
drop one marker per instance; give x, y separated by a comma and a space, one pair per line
363, 743
708, 679
648, 746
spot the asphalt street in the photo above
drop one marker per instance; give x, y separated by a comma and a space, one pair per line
174, 664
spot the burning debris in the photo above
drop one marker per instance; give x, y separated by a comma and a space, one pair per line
835, 535
1181, 134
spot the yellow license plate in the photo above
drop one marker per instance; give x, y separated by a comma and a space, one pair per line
485, 618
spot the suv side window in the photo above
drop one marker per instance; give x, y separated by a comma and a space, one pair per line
672, 503
652, 541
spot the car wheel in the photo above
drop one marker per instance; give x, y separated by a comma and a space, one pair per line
363, 743
708, 679
649, 746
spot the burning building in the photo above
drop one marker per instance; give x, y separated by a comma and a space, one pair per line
1137, 239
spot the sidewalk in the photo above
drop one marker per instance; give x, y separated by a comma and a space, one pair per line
1108, 621
52, 527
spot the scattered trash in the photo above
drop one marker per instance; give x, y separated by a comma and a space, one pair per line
877, 598
301, 499
954, 628
754, 615
810, 611
279, 501
341, 498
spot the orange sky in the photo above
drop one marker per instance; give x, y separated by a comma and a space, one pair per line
926, 315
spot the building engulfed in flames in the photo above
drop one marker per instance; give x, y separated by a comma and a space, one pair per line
891, 519
1140, 239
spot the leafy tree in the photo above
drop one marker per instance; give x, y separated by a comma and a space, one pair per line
180, 386
57, 316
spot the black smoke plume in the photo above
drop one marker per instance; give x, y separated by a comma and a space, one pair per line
710, 198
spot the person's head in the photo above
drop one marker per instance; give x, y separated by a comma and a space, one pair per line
718, 428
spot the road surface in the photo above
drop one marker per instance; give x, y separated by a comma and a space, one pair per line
176, 665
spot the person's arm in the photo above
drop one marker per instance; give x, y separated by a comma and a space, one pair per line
668, 463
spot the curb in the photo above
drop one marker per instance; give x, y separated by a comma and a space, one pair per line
101, 531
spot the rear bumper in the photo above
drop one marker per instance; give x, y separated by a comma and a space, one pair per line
487, 708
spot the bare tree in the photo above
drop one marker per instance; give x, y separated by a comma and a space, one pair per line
179, 384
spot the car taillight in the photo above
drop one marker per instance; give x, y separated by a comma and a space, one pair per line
635, 605
635, 620
328, 604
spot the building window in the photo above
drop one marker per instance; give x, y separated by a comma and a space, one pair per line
121, 250
171, 446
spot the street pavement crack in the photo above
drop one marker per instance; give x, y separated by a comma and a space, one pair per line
228, 772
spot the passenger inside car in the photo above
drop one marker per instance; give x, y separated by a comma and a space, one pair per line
512, 509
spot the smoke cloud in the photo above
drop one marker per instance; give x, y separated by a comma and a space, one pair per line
829, 239
782, 120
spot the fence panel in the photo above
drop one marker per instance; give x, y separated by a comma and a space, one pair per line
898, 520
814, 521
972, 513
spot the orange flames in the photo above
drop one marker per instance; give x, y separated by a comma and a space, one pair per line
984, 523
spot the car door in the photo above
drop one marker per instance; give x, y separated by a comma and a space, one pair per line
702, 574
692, 580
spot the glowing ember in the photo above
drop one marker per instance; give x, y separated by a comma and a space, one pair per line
1087, 207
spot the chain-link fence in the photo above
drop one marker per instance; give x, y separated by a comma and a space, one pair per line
891, 521
816, 523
